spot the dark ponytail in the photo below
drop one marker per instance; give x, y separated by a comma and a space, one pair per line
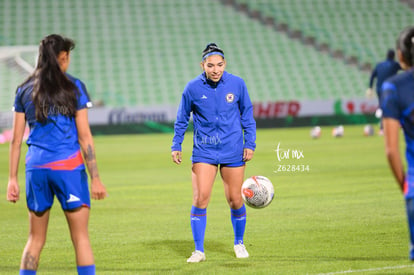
405, 43
53, 92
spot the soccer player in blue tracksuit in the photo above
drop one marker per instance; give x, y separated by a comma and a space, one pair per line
54, 104
224, 139
398, 111
384, 70
381, 72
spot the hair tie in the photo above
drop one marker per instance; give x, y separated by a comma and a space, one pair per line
213, 53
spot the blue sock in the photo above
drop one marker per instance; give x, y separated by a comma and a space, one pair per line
86, 270
238, 220
198, 226
27, 272
409, 203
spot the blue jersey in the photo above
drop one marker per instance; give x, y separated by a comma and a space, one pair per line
382, 71
398, 103
222, 116
54, 144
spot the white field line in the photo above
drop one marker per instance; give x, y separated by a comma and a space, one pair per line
368, 269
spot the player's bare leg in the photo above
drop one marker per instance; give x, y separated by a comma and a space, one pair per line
78, 226
203, 176
233, 180
37, 238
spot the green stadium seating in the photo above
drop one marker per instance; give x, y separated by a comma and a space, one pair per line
364, 29
140, 53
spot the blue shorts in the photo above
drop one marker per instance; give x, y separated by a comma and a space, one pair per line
235, 164
70, 188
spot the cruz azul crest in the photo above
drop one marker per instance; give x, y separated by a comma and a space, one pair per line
230, 98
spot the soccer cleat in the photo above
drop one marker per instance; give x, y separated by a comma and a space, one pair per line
241, 251
196, 257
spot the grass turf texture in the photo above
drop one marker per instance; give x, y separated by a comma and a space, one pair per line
345, 213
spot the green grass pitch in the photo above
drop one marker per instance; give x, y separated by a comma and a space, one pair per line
344, 215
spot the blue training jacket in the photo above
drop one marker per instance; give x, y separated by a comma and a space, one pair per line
222, 116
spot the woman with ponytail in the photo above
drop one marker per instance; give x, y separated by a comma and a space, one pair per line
398, 112
54, 105
224, 140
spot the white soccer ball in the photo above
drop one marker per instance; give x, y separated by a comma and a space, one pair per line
368, 130
316, 132
257, 191
338, 131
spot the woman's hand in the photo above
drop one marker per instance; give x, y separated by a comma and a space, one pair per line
247, 154
176, 156
13, 191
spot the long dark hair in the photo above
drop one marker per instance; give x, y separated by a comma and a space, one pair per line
405, 43
53, 92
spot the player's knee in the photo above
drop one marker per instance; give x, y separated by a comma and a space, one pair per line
201, 200
235, 203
